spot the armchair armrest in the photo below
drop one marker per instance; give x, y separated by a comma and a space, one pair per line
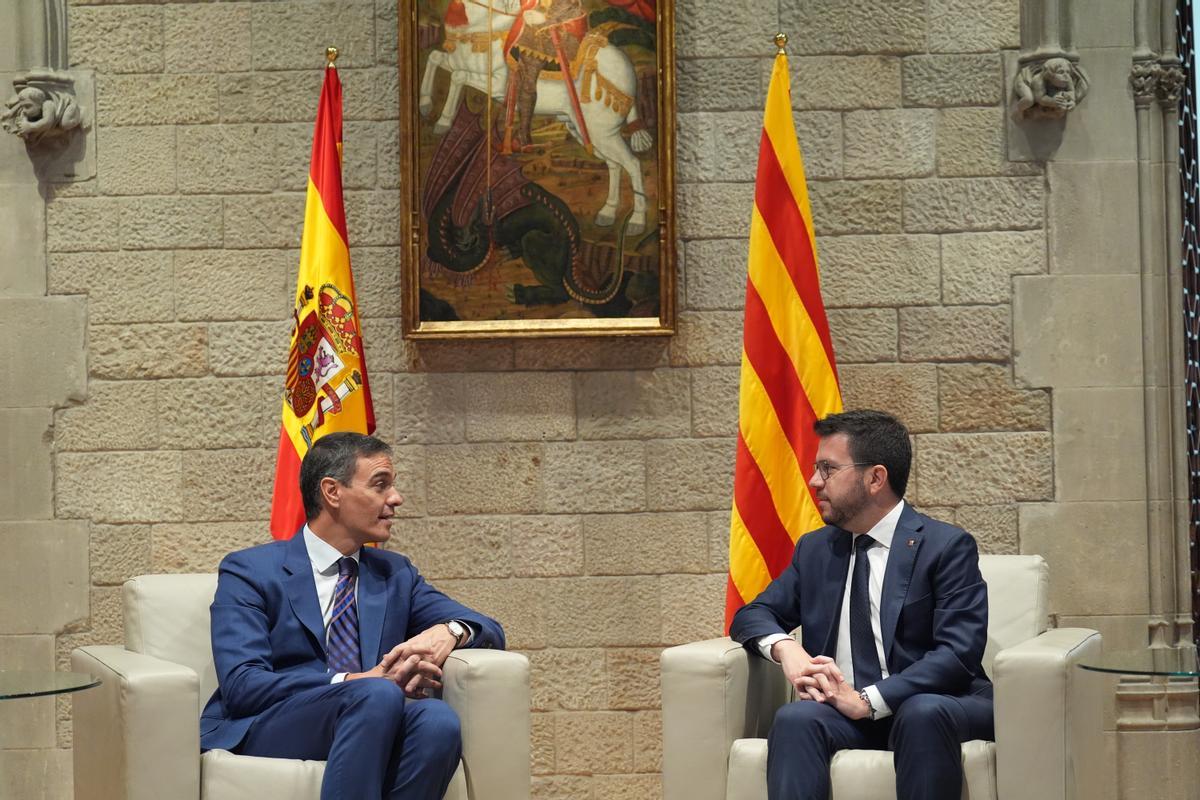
1048, 717
713, 692
489, 690
137, 734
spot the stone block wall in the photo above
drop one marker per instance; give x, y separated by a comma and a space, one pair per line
576, 490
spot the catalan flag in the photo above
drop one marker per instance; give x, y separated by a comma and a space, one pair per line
326, 386
789, 375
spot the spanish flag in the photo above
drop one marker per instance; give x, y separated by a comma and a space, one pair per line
789, 375
326, 386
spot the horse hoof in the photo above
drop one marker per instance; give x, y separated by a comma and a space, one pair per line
426, 107
634, 228
441, 127
604, 220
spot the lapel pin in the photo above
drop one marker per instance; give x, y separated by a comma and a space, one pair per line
912, 542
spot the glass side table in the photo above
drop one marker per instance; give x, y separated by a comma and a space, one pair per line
1146, 663
14, 685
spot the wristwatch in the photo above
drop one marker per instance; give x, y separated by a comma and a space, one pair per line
458, 631
866, 698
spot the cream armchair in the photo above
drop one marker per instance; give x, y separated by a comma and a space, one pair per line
718, 703
137, 736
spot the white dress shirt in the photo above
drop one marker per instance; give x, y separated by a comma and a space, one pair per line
877, 557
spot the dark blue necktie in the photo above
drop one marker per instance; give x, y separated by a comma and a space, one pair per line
342, 648
862, 638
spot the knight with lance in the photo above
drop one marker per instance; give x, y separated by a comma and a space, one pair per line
545, 36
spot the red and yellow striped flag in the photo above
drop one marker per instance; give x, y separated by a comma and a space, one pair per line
789, 375
326, 386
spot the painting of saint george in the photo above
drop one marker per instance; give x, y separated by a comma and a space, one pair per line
537, 141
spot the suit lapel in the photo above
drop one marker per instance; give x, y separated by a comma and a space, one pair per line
835, 577
301, 590
902, 557
372, 606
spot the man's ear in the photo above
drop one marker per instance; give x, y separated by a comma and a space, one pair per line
878, 480
331, 492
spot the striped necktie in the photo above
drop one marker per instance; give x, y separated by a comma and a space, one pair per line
342, 648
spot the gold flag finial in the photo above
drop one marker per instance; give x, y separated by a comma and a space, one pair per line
781, 42
331, 54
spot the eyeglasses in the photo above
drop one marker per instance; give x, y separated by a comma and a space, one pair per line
825, 468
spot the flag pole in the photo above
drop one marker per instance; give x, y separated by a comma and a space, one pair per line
781, 40
331, 54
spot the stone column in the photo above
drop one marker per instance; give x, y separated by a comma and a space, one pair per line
1170, 91
44, 576
1046, 27
1144, 76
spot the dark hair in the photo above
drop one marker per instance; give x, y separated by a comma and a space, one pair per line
334, 455
875, 438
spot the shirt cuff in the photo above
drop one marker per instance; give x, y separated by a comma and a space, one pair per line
765, 643
877, 702
339, 677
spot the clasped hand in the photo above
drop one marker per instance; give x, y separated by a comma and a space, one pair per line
415, 665
818, 678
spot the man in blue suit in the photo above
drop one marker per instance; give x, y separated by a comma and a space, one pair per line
894, 617
327, 650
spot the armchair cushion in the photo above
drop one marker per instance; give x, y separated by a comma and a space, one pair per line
861, 774
226, 776
166, 616
1018, 598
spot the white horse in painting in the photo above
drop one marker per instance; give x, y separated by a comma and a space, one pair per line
607, 90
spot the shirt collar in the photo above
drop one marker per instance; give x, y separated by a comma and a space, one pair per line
322, 554
885, 529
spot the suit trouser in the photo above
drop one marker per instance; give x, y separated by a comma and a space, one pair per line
376, 743
925, 735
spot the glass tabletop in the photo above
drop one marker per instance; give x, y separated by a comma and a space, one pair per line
1166, 663
35, 684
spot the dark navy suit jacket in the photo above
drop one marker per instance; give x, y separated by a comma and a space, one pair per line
268, 636
933, 611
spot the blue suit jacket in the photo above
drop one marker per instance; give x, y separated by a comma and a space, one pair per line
933, 612
268, 637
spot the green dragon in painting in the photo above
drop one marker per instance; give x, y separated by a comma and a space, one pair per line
468, 223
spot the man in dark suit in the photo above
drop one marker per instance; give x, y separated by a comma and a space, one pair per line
894, 616
327, 650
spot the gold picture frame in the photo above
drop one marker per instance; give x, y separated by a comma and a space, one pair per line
521, 224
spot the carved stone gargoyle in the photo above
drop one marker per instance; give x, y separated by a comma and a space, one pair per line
43, 109
1048, 89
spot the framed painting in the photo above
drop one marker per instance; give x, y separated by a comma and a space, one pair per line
537, 167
